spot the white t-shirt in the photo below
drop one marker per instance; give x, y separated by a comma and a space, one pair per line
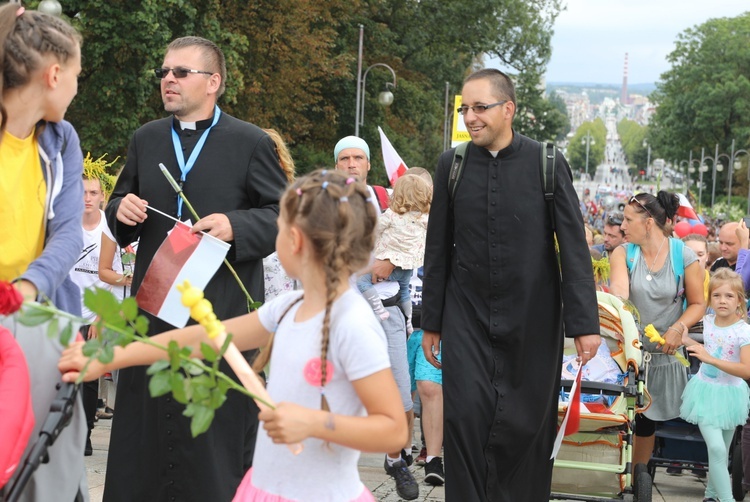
85, 272
119, 291
357, 349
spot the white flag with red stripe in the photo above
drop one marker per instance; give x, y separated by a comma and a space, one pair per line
685, 209
182, 255
572, 418
394, 165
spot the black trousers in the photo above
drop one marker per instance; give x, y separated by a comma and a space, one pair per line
90, 391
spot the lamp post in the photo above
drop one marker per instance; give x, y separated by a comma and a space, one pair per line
689, 169
703, 169
385, 98
648, 157
446, 121
733, 165
588, 141
717, 168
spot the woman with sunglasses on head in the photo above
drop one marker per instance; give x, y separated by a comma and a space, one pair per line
664, 280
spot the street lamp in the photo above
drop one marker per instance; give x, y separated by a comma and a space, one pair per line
385, 98
648, 157
717, 168
588, 141
734, 165
51, 7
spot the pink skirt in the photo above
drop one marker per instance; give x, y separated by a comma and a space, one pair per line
247, 492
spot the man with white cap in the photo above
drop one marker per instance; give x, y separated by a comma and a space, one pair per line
352, 155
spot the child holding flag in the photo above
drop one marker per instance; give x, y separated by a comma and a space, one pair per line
334, 387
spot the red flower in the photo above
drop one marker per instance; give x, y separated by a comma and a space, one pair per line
10, 298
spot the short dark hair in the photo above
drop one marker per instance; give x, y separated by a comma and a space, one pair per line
214, 57
501, 83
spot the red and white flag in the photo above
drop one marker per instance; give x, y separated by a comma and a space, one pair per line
182, 255
572, 418
686, 209
394, 165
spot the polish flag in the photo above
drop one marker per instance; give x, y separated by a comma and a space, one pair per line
686, 209
394, 165
182, 255
572, 419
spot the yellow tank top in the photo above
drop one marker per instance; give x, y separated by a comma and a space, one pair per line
22, 199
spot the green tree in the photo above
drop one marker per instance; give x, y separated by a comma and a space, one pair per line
632, 135
576, 153
704, 98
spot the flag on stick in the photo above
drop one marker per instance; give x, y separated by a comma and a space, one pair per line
685, 209
182, 255
394, 165
572, 418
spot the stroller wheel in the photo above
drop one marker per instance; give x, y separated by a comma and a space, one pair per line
637, 470
643, 486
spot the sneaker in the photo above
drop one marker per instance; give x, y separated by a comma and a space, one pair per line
434, 474
103, 415
422, 458
408, 458
674, 469
406, 487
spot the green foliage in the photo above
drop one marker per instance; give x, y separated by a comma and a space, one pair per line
704, 98
576, 153
199, 386
292, 65
632, 135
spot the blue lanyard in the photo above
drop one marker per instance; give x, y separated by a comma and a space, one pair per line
185, 168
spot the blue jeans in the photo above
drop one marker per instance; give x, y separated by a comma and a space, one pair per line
403, 277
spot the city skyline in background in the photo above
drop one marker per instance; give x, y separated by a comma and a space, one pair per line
591, 37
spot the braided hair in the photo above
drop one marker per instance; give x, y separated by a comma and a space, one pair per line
338, 218
26, 37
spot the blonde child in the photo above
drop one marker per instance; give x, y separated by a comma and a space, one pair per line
401, 239
717, 398
329, 363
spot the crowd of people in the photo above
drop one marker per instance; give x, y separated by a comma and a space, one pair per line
350, 350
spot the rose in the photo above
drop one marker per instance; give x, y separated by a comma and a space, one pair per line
10, 298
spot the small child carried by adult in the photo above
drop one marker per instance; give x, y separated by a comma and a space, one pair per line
402, 230
717, 398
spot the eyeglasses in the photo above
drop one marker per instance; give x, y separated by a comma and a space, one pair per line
178, 72
478, 109
615, 220
633, 199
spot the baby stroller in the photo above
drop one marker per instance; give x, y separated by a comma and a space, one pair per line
596, 462
44, 430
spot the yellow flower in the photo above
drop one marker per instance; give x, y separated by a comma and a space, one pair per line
200, 309
653, 335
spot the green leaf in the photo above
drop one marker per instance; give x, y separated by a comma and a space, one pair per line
66, 334
201, 420
209, 354
174, 355
217, 398
52, 329
141, 325
92, 347
194, 368
130, 308
107, 354
177, 383
31, 316
157, 367
159, 384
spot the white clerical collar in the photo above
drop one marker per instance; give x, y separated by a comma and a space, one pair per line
187, 125
494, 154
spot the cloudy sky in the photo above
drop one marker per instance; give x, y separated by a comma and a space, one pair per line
592, 36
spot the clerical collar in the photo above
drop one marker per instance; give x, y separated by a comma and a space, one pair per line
200, 125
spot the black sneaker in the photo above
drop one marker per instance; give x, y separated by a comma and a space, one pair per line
433, 472
406, 486
408, 458
88, 450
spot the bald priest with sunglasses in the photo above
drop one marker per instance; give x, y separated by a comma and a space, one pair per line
230, 173
493, 294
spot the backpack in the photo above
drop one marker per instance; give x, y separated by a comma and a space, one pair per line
676, 246
546, 167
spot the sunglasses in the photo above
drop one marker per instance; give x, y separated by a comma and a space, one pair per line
177, 72
478, 109
633, 199
614, 220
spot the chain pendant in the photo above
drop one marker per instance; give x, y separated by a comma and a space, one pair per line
648, 277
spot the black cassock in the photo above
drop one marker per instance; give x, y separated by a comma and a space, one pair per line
152, 454
496, 298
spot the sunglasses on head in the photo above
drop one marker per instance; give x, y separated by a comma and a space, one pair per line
178, 72
633, 199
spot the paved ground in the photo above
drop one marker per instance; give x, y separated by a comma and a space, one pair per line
684, 488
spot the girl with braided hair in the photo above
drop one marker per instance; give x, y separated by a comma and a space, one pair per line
329, 365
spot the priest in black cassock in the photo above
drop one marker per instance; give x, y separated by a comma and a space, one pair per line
230, 173
493, 291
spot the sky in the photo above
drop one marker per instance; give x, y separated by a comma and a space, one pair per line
592, 36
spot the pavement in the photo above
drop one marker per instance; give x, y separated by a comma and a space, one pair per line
683, 488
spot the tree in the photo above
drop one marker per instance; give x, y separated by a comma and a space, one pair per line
632, 136
704, 98
576, 153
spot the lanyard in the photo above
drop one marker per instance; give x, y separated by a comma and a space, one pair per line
185, 168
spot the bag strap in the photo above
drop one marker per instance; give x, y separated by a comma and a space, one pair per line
457, 168
547, 163
382, 194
